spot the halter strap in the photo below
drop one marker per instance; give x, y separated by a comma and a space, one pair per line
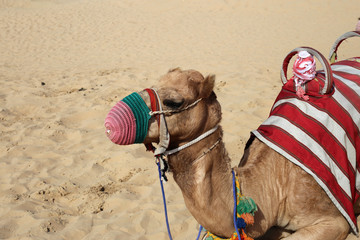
164, 136
175, 111
154, 101
154, 107
198, 139
164, 139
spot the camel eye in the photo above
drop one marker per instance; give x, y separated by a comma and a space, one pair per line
172, 103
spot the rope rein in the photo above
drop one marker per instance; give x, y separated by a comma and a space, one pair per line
235, 208
158, 163
208, 150
235, 204
169, 112
198, 139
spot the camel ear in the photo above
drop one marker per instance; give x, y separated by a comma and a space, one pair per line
208, 86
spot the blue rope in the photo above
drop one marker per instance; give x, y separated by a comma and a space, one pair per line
200, 229
164, 199
235, 204
235, 208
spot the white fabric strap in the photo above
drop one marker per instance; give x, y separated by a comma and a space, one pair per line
198, 139
164, 138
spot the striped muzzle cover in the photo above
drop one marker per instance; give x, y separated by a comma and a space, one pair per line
127, 122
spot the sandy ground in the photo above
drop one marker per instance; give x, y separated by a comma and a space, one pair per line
64, 64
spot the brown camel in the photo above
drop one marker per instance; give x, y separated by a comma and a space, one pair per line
291, 204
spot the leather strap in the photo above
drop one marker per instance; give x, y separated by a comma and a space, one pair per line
155, 105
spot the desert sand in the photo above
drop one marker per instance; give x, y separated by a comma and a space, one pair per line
65, 63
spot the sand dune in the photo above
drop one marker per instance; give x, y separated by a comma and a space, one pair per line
64, 64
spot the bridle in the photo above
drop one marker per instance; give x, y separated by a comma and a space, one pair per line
164, 138
162, 151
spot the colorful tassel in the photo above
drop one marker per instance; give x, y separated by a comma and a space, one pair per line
246, 209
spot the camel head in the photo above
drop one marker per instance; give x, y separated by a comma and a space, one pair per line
188, 108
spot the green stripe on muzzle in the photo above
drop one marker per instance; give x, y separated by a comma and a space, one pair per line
141, 113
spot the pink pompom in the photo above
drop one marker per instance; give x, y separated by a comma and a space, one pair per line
304, 66
304, 70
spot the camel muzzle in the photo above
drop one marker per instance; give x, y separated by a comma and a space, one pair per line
127, 122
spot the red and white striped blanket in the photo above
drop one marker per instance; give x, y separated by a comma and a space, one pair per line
322, 135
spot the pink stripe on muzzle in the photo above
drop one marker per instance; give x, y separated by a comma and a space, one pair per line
120, 124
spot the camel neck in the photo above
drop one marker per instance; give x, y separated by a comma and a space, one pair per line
206, 183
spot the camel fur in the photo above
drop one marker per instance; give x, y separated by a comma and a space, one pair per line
291, 205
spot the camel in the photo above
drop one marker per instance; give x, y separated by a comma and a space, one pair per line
291, 204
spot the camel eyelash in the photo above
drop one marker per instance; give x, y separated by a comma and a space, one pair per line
173, 104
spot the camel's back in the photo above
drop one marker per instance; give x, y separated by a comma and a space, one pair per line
321, 135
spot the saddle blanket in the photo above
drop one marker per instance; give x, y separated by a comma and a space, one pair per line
322, 135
